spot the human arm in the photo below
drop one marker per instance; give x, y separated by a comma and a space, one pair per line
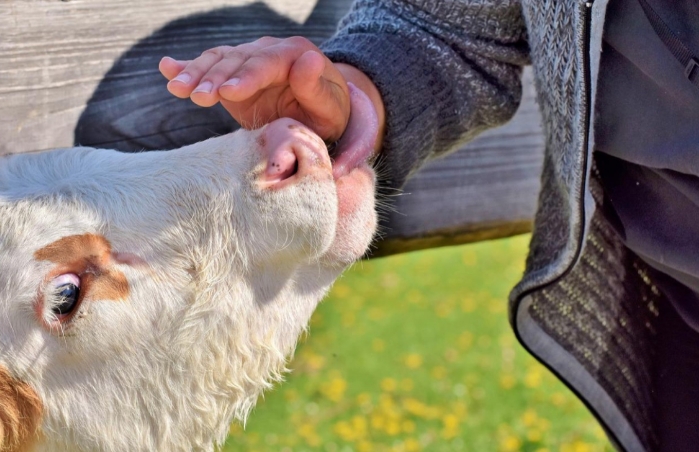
446, 71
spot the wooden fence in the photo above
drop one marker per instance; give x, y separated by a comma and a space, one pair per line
85, 72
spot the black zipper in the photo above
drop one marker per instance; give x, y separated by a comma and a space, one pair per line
587, 25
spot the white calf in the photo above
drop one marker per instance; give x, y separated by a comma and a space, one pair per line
146, 300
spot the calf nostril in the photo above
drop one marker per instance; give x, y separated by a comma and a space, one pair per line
331, 147
281, 165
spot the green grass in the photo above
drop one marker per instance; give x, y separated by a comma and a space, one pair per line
414, 353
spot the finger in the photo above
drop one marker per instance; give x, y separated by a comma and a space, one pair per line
322, 94
191, 76
266, 68
188, 79
170, 67
206, 92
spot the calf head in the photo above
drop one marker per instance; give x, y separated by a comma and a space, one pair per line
146, 300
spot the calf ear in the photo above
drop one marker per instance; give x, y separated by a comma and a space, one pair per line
20, 414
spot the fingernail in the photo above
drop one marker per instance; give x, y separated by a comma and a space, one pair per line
204, 88
232, 82
183, 77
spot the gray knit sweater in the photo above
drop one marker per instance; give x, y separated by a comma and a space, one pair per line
450, 69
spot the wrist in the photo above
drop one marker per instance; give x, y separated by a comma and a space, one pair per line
364, 83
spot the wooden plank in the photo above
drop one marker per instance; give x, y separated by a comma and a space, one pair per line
85, 72
54, 54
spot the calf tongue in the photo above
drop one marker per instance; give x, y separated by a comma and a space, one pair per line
357, 143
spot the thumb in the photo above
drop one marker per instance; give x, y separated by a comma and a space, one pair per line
322, 94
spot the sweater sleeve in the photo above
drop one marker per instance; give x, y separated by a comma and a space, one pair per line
446, 70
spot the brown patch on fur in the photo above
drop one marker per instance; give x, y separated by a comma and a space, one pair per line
90, 257
20, 414
261, 141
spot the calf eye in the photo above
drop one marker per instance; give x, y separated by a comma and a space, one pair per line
67, 293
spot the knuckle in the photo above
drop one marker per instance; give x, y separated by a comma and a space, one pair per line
234, 53
267, 40
299, 41
216, 51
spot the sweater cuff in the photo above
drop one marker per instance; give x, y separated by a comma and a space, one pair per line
412, 93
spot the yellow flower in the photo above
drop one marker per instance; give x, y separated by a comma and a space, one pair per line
576, 446
534, 435
558, 398
497, 306
580, 446
313, 361
414, 297
306, 430
419, 409
411, 445
388, 384
317, 319
443, 310
364, 398
253, 437
450, 426
377, 313
415, 407
348, 319
533, 378
439, 372
393, 427
529, 417
459, 409
360, 426
599, 432
510, 444
543, 424
468, 305
365, 446
413, 361
386, 401
308, 433
334, 390
377, 421
344, 431
340, 291
507, 381
450, 421
465, 340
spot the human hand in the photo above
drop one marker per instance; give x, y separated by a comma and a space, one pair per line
267, 79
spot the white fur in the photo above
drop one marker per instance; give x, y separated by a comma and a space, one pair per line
232, 273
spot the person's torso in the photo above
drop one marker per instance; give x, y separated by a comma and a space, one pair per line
647, 138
